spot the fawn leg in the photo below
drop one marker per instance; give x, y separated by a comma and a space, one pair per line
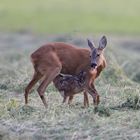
50, 74
86, 101
65, 98
34, 80
70, 99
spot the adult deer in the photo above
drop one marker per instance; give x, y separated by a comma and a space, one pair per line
52, 58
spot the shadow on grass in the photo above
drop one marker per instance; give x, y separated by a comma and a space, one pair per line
102, 111
130, 103
21, 112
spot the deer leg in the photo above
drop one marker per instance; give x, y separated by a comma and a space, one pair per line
97, 97
70, 99
86, 101
48, 78
93, 92
34, 80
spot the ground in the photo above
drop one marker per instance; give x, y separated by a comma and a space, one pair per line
116, 118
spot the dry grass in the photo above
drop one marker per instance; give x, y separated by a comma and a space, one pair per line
117, 116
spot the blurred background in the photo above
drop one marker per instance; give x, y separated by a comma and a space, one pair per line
25, 25
55, 20
62, 16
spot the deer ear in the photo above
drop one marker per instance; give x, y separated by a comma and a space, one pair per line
90, 44
102, 43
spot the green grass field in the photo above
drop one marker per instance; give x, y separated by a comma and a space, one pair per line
117, 116
27, 24
63, 16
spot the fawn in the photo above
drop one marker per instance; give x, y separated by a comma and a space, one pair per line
68, 85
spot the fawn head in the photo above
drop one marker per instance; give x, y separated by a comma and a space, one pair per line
81, 76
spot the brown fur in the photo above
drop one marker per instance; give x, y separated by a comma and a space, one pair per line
69, 85
53, 58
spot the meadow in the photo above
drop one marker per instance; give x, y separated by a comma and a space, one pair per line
117, 116
26, 25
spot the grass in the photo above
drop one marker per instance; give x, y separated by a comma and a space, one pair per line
117, 116
71, 16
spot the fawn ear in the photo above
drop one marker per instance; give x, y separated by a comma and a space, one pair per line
102, 43
61, 75
90, 44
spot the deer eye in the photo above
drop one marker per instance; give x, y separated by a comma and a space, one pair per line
98, 55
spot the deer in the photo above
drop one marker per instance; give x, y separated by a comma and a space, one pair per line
54, 58
69, 85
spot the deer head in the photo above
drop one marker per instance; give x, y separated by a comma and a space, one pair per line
97, 53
